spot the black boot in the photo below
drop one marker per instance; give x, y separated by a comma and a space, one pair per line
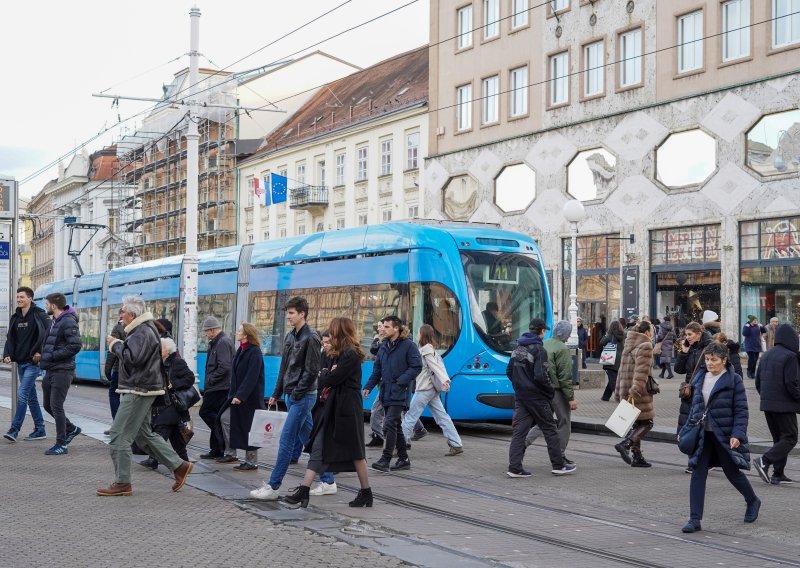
375, 442
363, 499
150, 462
638, 460
624, 450
298, 499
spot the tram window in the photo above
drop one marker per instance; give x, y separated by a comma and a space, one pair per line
262, 316
436, 305
89, 326
164, 308
332, 302
502, 307
112, 317
220, 306
373, 303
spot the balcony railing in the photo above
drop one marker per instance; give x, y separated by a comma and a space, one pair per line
308, 197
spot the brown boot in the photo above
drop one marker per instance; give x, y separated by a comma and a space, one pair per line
181, 473
116, 490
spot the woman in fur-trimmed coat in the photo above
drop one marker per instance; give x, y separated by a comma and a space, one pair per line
637, 360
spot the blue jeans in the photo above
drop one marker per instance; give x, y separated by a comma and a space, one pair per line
26, 397
430, 398
294, 435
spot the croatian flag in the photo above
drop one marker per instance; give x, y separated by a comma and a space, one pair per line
261, 189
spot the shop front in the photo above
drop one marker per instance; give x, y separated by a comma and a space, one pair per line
685, 273
770, 270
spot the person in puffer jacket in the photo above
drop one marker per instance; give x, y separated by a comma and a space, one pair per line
533, 393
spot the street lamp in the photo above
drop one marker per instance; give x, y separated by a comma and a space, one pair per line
574, 213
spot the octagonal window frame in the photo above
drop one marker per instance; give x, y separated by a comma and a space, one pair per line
673, 189
456, 176
594, 200
761, 175
495, 188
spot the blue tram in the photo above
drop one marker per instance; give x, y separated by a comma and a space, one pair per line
477, 286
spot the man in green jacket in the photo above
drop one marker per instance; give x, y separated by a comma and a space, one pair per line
559, 368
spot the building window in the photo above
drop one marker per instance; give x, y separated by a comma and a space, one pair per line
519, 16
413, 211
300, 177
685, 245
593, 69
321, 172
690, 42
491, 18
386, 215
518, 93
630, 48
558, 5
250, 192
361, 164
340, 222
736, 29
386, 157
340, 160
362, 219
465, 27
282, 232
266, 235
491, 87
786, 22
412, 151
464, 107
559, 85
284, 172
301, 229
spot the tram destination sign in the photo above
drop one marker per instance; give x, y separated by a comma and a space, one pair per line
8, 195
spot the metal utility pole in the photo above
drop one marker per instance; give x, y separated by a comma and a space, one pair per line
9, 265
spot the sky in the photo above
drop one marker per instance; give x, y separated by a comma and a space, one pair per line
56, 54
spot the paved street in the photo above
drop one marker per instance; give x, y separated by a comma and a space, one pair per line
444, 512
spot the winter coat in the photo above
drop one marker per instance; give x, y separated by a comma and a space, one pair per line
583, 337
777, 378
667, 338
637, 360
752, 337
247, 384
620, 341
396, 366
770, 339
219, 363
727, 415
300, 364
62, 343
432, 364
140, 358
43, 323
528, 370
181, 378
112, 363
342, 414
736, 360
688, 364
559, 366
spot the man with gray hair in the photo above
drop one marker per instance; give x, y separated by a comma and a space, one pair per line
559, 369
219, 364
140, 380
770, 337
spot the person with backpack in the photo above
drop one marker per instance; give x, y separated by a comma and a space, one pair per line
612, 343
533, 395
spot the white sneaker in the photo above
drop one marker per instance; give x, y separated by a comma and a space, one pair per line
323, 488
265, 493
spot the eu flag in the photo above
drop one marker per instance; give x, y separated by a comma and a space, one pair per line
278, 184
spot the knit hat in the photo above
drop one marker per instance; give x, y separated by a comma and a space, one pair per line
750, 318
562, 329
709, 316
210, 323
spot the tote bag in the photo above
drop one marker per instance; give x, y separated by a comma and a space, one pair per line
265, 430
608, 356
621, 421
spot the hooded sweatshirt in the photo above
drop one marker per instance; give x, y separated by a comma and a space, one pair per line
528, 370
777, 378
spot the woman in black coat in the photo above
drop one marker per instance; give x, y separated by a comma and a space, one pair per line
245, 396
615, 335
719, 396
166, 419
337, 439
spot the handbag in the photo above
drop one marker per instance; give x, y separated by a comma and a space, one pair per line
657, 348
184, 399
608, 356
621, 420
266, 428
689, 436
438, 384
187, 430
652, 386
685, 390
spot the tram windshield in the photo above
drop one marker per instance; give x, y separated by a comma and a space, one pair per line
506, 291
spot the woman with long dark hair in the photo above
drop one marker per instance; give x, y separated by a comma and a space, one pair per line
615, 336
427, 396
337, 439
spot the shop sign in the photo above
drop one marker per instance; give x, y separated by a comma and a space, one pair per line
692, 245
782, 241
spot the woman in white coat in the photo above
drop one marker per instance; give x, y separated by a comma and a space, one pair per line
432, 380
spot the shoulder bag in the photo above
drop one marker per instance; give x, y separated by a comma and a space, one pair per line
608, 356
689, 436
657, 348
438, 384
652, 386
184, 399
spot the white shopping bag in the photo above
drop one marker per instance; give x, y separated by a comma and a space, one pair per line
265, 431
621, 421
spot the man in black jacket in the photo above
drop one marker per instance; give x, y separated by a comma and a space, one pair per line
62, 343
778, 384
533, 393
217, 381
26, 333
297, 379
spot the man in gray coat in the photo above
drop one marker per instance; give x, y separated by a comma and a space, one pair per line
219, 363
140, 380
